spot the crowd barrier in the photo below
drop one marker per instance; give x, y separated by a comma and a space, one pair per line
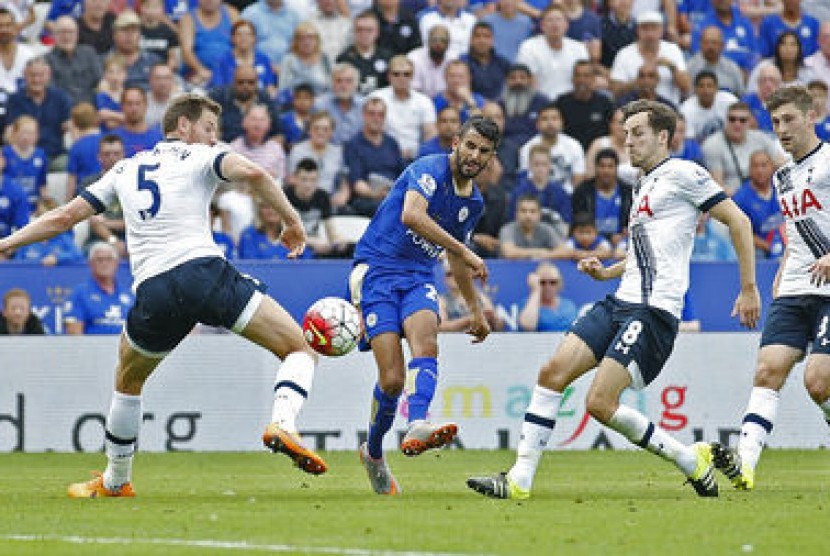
214, 393
297, 284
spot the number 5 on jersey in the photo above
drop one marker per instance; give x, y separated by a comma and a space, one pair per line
146, 184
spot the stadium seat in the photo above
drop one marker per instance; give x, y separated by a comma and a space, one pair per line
56, 184
349, 228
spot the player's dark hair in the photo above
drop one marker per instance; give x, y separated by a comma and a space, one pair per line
660, 116
795, 94
602, 154
706, 74
484, 126
190, 106
307, 165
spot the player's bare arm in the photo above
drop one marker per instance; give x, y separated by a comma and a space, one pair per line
748, 304
51, 224
594, 268
478, 327
415, 217
237, 168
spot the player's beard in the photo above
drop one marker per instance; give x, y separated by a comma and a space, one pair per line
459, 167
517, 101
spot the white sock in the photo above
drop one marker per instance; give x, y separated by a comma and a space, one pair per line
122, 426
537, 427
640, 431
292, 386
759, 419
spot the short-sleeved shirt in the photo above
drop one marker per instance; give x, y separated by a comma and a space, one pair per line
404, 117
135, 142
14, 208
29, 172
552, 68
718, 155
628, 60
100, 312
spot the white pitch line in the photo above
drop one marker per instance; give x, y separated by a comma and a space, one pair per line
227, 545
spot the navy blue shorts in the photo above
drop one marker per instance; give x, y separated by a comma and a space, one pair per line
207, 290
800, 322
638, 337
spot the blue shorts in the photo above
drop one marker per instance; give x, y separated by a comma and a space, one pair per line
637, 336
387, 297
801, 322
207, 290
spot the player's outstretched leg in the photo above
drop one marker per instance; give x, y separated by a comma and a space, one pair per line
758, 421
293, 384
381, 478
728, 462
422, 378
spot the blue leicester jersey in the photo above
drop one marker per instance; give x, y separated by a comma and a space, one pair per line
100, 311
388, 243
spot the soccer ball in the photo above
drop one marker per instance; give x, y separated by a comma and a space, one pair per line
331, 326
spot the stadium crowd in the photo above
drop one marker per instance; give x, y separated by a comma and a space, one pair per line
336, 97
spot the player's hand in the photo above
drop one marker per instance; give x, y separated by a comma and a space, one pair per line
593, 267
477, 267
293, 237
748, 307
820, 271
479, 328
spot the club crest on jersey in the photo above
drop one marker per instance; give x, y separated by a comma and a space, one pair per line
463, 214
428, 184
795, 205
785, 181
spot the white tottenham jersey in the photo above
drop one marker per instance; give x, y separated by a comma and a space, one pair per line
165, 195
667, 203
803, 189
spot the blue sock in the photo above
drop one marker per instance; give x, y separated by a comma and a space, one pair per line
422, 377
384, 407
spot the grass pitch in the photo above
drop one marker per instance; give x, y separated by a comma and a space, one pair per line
583, 503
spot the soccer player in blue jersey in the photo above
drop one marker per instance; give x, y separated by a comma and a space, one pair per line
432, 208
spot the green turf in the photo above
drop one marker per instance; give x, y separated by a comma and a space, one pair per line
584, 503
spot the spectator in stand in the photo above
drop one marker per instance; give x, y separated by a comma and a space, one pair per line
491, 183
705, 110
527, 237
619, 29
551, 56
335, 28
488, 69
645, 87
275, 24
294, 121
449, 124
458, 92
585, 240
59, 8
48, 105
255, 144
521, 103
819, 91
453, 312
545, 310
566, 154
157, 35
76, 68
14, 207
805, 27
236, 98
83, 154
205, 37
95, 25
136, 134
683, 147
769, 81
163, 88
584, 26
738, 33
451, 15
327, 155
510, 28
58, 250
373, 159
399, 29
819, 61
410, 115
727, 154
367, 54
243, 52
17, 317
110, 90
757, 198
126, 37
26, 163
606, 198
554, 201
711, 58
615, 140
430, 61
109, 225
99, 305
691, 12
14, 53
789, 59
306, 62
343, 103
673, 80
585, 112
261, 241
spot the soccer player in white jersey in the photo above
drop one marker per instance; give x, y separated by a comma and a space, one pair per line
628, 336
181, 278
799, 316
